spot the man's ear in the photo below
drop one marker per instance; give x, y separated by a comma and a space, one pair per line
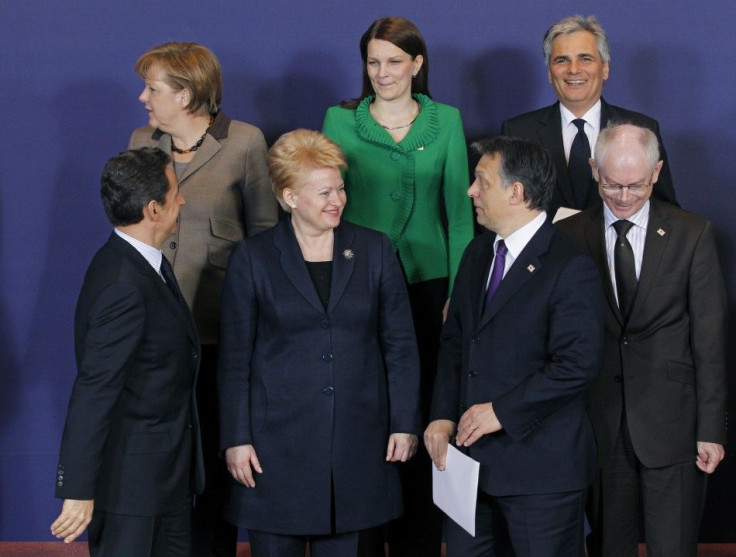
594, 169
516, 194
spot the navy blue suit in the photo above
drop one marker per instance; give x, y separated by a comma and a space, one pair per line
531, 353
131, 440
544, 126
316, 391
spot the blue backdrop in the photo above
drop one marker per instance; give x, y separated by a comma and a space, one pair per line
69, 102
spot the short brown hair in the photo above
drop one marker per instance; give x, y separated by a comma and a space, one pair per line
297, 151
189, 66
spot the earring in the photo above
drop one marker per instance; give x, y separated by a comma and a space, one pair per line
414, 76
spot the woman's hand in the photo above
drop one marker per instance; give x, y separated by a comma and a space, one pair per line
241, 461
401, 447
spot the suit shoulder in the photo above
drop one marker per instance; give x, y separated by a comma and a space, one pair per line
638, 118
243, 130
531, 116
142, 137
447, 111
340, 113
679, 215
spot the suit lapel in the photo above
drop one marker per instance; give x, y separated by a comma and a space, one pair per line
596, 240
343, 263
479, 274
524, 268
178, 308
550, 135
209, 148
292, 263
657, 238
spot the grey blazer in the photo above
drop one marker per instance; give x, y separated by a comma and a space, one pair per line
228, 197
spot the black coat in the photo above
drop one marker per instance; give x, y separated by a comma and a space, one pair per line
544, 126
131, 439
316, 392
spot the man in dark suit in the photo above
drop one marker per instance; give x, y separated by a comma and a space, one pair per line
577, 54
130, 457
521, 342
659, 403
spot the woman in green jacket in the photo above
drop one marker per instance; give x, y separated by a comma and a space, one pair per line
408, 177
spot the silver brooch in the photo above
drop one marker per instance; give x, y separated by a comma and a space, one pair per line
348, 254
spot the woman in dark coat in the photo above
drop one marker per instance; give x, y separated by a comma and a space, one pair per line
318, 376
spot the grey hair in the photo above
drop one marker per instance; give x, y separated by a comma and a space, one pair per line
646, 138
577, 23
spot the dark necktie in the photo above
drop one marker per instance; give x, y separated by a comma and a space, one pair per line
625, 269
499, 262
168, 274
578, 167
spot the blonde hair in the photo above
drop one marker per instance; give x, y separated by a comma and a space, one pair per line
189, 66
296, 151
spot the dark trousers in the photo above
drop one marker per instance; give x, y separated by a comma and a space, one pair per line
418, 532
265, 544
118, 535
548, 525
211, 533
669, 500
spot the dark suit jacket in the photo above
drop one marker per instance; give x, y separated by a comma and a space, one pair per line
668, 360
531, 352
316, 392
131, 439
228, 197
544, 126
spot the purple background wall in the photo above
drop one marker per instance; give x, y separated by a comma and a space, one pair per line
69, 102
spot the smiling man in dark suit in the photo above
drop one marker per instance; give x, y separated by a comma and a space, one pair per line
130, 457
659, 403
578, 56
521, 342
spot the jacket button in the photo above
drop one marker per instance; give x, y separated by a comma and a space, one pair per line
327, 357
324, 324
617, 379
172, 245
476, 340
328, 391
472, 373
395, 156
395, 195
624, 341
60, 484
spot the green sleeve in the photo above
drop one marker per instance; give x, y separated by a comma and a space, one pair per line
455, 183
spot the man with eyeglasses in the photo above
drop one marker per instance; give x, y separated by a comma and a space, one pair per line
658, 405
577, 54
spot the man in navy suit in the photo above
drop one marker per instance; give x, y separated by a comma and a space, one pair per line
577, 54
521, 342
658, 405
130, 457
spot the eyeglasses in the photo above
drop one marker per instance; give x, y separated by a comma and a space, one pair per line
634, 189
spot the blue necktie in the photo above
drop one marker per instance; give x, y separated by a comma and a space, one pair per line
168, 273
578, 167
499, 263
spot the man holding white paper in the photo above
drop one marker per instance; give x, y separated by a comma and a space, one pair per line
521, 342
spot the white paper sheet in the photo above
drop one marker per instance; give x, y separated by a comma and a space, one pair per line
455, 489
564, 212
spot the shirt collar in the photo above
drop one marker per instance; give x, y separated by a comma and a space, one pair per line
517, 240
592, 117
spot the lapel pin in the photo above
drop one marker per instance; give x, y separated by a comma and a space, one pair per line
420, 148
531, 268
661, 232
348, 254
